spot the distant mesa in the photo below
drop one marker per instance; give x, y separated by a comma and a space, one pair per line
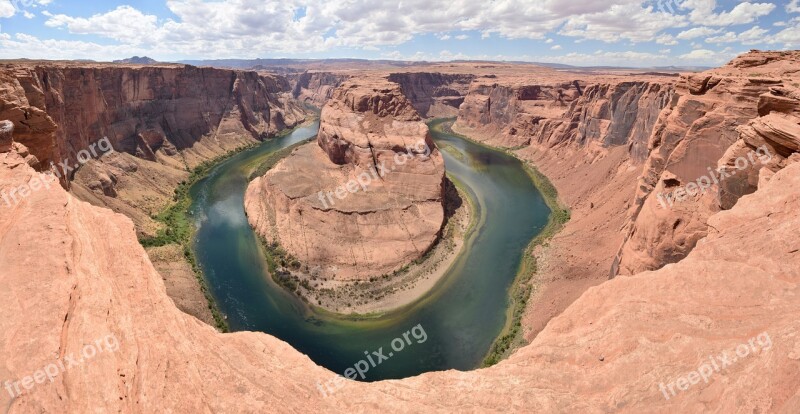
136, 60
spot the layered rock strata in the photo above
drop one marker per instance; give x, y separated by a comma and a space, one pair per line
434, 95
364, 201
588, 134
612, 146
315, 88
517, 112
161, 120
725, 130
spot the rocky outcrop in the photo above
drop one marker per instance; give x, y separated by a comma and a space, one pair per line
6, 129
708, 150
364, 201
434, 95
315, 88
621, 347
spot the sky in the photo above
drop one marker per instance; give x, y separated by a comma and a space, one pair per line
578, 32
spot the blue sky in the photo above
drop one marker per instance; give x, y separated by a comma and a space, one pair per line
601, 32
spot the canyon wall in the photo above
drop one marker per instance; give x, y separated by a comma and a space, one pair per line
181, 113
434, 95
673, 130
517, 112
588, 134
725, 130
315, 88
162, 121
367, 198
613, 145
626, 346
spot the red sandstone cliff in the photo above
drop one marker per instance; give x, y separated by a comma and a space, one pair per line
673, 130
612, 143
151, 112
746, 110
365, 201
434, 95
161, 120
315, 88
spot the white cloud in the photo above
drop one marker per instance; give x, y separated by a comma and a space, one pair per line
6, 9
752, 36
123, 23
706, 57
28, 15
259, 28
696, 32
621, 22
703, 12
793, 7
556, 47
789, 37
361, 23
667, 40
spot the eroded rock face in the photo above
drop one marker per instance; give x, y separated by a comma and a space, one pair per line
152, 112
706, 136
363, 201
170, 117
434, 95
555, 112
610, 351
315, 88
6, 129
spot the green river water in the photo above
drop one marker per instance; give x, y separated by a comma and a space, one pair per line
460, 317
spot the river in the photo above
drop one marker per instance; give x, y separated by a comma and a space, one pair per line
460, 317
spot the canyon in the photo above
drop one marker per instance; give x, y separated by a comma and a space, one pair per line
687, 282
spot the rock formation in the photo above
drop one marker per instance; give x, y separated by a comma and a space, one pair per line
610, 351
554, 111
162, 120
155, 112
6, 129
365, 201
315, 88
434, 95
611, 145
698, 140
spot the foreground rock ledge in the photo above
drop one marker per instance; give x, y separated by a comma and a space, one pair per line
389, 215
73, 273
